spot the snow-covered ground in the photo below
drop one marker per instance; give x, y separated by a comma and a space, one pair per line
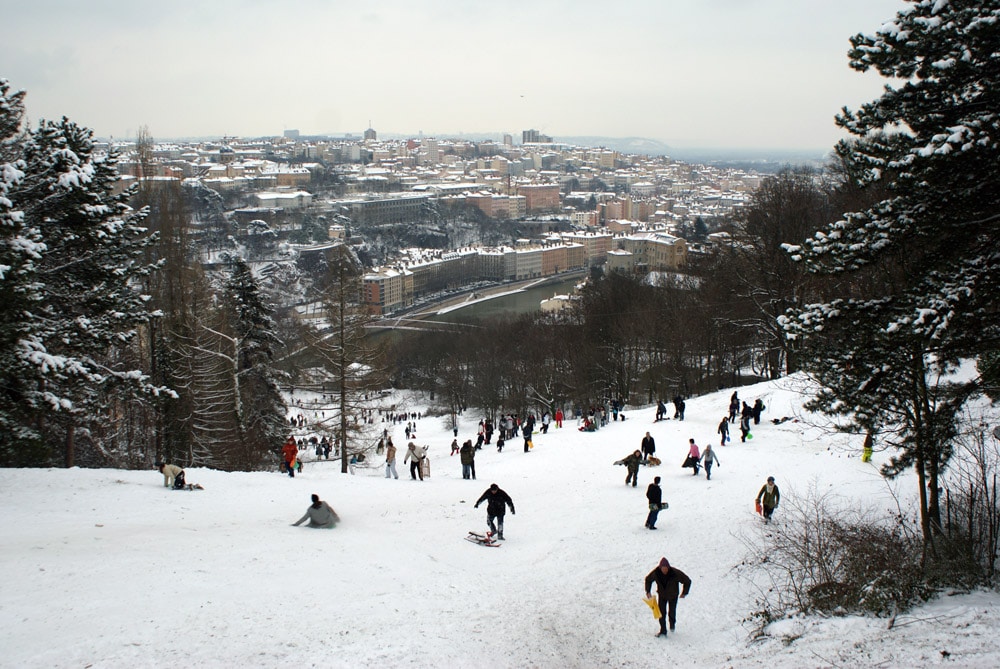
107, 568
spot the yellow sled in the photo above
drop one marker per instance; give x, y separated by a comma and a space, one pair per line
653, 605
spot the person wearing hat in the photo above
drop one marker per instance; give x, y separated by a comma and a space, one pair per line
319, 514
497, 502
768, 498
667, 579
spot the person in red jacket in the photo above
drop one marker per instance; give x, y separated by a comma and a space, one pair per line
289, 452
667, 580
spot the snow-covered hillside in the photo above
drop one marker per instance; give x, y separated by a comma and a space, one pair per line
107, 568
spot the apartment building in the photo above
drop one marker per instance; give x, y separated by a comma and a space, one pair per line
539, 197
656, 251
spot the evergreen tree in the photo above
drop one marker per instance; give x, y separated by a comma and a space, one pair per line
20, 247
920, 268
74, 252
259, 405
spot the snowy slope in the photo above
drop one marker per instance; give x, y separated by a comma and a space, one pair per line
107, 568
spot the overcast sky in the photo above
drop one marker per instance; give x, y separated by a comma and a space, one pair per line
692, 73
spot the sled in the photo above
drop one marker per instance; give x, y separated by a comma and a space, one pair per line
653, 606
758, 508
482, 539
425, 468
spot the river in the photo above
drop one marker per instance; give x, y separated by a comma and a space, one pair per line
522, 302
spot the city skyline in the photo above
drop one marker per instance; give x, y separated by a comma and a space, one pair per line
713, 73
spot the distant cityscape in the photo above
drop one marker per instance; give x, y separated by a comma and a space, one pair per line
552, 207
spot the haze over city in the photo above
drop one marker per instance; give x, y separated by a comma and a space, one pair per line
715, 73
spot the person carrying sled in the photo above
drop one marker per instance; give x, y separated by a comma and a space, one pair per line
723, 431
319, 514
631, 463
693, 458
414, 454
648, 447
668, 581
497, 502
654, 494
768, 498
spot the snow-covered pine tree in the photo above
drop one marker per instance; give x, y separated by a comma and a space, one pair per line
920, 268
261, 409
79, 289
19, 249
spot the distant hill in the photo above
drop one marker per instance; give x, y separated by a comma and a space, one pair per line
643, 145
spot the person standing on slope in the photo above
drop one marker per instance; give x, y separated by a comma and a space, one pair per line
497, 502
631, 463
290, 451
648, 447
668, 581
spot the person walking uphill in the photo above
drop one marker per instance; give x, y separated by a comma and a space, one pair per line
768, 498
497, 502
319, 514
724, 431
631, 463
708, 458
654, 494
414, 454
668, 581
390, 460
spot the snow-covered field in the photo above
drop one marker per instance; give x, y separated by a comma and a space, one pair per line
107, 568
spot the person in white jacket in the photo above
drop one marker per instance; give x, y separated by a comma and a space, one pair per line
414, 454
173, 476
319, 514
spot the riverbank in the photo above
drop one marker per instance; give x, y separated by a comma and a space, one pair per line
479, 294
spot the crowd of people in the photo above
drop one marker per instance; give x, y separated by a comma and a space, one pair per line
671, 583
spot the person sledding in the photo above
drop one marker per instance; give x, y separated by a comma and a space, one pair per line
497, 502
319, 514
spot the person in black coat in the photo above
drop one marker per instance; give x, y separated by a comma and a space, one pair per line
497, 502
667, 579
655, 496
648, 447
